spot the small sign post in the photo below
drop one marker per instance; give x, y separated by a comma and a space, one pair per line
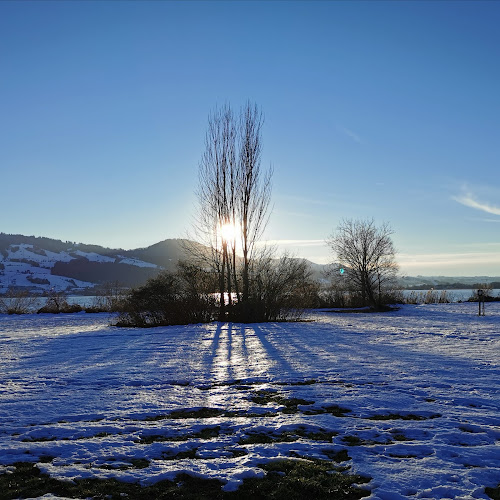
480, 300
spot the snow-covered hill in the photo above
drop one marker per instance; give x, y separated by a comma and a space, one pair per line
30, 266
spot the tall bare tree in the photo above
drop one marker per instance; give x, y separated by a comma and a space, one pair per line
254, 188
233, 191
368, 255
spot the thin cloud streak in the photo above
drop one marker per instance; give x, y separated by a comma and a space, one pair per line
448, 259
469, 201
355, 137
480, 219
310, 201
298, 243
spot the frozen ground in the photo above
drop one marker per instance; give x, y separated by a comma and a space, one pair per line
412, 395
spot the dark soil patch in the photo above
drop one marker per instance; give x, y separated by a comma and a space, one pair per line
290, 404
334, 410
397, 416
357, 441
180, 455
191, 413
493, 492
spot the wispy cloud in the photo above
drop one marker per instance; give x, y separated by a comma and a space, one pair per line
481, 219
305, 200
355, 137
295, 243
469, 201
448, 259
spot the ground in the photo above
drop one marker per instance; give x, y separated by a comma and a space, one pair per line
405, 403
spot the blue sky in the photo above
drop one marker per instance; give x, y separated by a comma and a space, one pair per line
388, 110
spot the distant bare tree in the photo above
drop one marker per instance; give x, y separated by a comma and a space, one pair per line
367, 253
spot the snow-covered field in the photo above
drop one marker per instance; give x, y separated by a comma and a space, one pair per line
412, 395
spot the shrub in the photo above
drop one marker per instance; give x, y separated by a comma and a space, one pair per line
110, 297
279, 291
168, 299
17, 302
392, 297
56, 303
487, 294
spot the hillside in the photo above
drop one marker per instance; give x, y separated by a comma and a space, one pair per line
40, 264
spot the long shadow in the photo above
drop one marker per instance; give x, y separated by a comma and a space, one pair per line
275, 354
244, 348
211, 356
229, 350
307, 346
230, 368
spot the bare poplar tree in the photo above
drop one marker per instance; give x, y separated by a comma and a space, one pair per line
233, 191
215, 196
368, 255
254, 187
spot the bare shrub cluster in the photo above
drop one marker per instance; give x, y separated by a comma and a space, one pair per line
17, 302
429, 297
342, 298
487, 294
109, 297
279, 290
170, 298
57, 303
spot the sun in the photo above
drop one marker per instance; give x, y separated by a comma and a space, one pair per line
229, 233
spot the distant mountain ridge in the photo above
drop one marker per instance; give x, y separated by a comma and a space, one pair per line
40, 264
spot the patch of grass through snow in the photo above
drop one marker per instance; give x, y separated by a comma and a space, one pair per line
335, 410
290, 479
287, 436
397, 416
205, 433
357, 441
493, 492
44, 439
291, 404
300, 479
190, 413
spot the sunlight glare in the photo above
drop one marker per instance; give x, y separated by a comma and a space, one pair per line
229, 233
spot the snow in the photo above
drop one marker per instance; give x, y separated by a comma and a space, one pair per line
94, 257
38, 265
135, 262
422, 385
23, 264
